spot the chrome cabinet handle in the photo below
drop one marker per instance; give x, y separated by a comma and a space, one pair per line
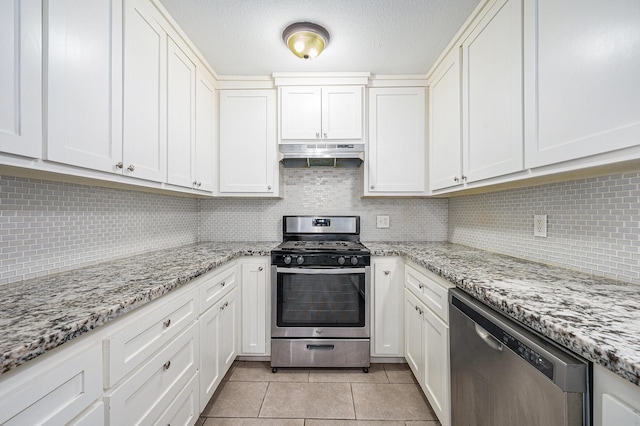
456, 179
166, 365
260, 268
131, 167
119, 165
167, 323
421, 286
224, 305
223, 283
387, 272
464, 177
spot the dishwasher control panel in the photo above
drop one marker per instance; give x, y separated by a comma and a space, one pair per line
528, 354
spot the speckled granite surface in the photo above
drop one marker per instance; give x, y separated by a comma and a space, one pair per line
40, 314
595, 317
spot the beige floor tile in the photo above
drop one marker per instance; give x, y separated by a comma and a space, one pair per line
235, 421
354, 423
250, 371
236, 399
390, 402
399, 373
308, 400
376, 374
423, 423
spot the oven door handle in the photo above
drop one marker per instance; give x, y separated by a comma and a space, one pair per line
323, 271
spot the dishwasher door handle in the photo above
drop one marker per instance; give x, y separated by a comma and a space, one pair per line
488, 338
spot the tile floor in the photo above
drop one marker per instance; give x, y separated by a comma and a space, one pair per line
251, 394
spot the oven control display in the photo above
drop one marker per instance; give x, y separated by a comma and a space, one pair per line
321, 222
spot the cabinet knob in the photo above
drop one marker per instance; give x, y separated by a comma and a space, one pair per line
416, 307
166, 365
421, 286
325, 135
167, 323
195, 183
119, 165
464, 177
456, 179
131, 167
260, 268
373, 187
387, 272
199, 184
223, 283
317, 134
269, 188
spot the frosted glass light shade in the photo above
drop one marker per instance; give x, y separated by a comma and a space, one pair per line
305, 39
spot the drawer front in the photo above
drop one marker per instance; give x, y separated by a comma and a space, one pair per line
184, 410
219, 284
56, 394
431, 289
92, 417
145, 334
145, 395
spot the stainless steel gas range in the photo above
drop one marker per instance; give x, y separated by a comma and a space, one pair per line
321, 285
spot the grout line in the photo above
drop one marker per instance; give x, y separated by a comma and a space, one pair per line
263, 399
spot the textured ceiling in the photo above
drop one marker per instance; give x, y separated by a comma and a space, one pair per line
244, 37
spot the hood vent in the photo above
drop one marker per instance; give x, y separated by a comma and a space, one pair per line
322, 155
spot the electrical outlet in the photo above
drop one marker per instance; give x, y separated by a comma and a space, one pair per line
540, 225
383, 221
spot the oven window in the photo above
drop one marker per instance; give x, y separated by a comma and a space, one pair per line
327, 300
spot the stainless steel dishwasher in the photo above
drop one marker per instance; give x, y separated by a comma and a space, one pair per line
503, 374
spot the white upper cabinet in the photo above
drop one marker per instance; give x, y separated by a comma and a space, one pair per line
181, 117
321, 113
145, 83
492, 94
445, 124
396, 153
83, 53
21, 77
248, 160
582, 62
205, 140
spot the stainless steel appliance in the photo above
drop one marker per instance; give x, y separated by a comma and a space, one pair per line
503, 374
320, 287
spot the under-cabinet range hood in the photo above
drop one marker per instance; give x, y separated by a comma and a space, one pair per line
322, 155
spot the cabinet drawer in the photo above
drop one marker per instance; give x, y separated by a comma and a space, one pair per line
431, 289
218, 284
144, 395
53, 393
184, 410
145, 333
92, 417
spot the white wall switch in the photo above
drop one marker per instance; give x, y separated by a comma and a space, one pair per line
540, 225
383, 221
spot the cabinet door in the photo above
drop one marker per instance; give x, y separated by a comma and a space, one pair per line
145, 81
229, 320
181, 105
210, 335
436, 365
445, 125
84, 83
254, 310
397, 147
581, 78
492, 93
342, 112
247, 141
300, 113
413, 335
387, 308
205, 159
21, 77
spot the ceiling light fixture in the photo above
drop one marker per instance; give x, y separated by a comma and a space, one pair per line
305, 39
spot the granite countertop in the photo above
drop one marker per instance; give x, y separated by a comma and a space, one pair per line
40, 314
595, 317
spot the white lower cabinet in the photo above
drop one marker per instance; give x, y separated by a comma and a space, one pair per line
427, 337
387, 307
145, 395
255, 306
616, 402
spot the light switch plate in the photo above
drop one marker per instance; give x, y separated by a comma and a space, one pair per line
540, 225
382, 221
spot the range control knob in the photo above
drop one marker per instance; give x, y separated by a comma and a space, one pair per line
300, 260
354, 260
341, 260
287, 260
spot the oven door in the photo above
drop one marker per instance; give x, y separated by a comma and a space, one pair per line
320, 302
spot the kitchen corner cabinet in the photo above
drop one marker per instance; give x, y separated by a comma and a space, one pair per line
581, 79
321, 113
83, 52
492, 103
255, 306
387, 307
248, 154
616, 401
427, 336
445, 124
396, 152
21, 77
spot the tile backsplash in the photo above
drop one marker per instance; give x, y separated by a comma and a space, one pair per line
48, 227
323, 192
593, 224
